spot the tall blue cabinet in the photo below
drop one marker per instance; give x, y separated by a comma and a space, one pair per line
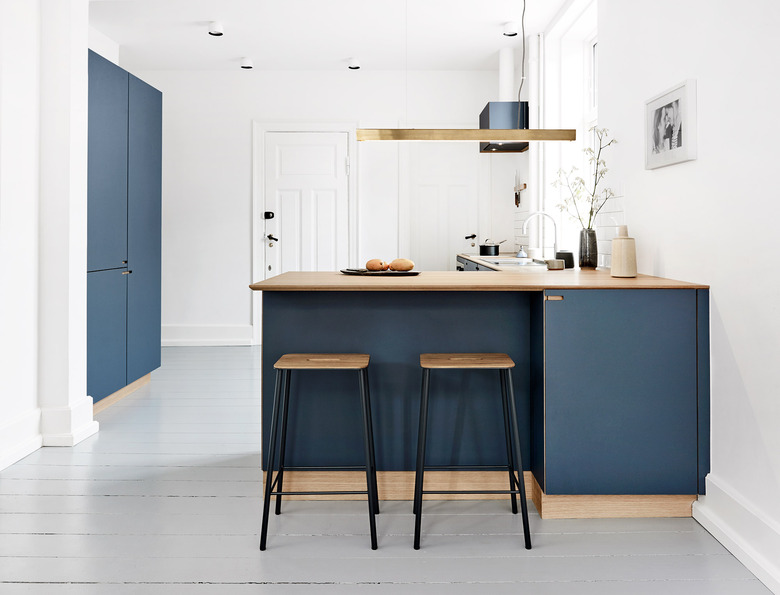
123, 229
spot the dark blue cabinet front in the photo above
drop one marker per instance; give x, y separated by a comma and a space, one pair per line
144, 220
107, 165
619, 399
124, 227
107, 353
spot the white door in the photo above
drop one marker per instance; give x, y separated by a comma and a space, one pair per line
443, 203
306, 190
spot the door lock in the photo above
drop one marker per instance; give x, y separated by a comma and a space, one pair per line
271, 240
268, 215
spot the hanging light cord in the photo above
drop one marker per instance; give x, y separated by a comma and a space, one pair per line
522, 66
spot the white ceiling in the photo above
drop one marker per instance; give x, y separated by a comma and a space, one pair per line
316, 34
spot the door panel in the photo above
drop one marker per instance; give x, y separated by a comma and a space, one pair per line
444, 200
107, 163
106, 337
306, 187
620, 383
144, 221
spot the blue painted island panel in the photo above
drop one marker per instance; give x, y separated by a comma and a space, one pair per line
394, 328
620, 392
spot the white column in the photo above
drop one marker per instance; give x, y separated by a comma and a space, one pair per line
66, 410
19, 92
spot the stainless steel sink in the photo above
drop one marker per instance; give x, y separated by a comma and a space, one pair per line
515, 262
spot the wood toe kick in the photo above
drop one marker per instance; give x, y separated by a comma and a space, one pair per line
399, 485
609, 506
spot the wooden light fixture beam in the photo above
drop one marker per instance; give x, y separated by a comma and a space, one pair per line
465, 134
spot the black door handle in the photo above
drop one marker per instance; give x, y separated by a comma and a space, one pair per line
473, 236
271, 237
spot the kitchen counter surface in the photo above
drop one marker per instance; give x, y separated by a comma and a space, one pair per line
528, 279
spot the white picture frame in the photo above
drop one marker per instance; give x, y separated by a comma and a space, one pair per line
670, 126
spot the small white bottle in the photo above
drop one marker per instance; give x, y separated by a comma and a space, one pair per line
623, 254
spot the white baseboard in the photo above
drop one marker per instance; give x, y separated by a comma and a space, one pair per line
20, 437
67, 426
203, 335
745, 531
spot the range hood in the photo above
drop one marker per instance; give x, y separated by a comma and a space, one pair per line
504, 115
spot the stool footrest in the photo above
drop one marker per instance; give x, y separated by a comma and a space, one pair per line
364, 492
471, 491
467, 467
318, 468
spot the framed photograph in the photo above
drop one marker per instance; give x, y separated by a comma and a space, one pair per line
670, 126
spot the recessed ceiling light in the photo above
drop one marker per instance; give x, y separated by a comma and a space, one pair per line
216, 29
353, 64
510, 29
247, 64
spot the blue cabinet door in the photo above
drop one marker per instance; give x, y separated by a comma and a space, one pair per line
106, 341
620, 392
144, 228
107, 165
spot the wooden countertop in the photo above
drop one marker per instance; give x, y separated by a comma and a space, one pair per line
466, 281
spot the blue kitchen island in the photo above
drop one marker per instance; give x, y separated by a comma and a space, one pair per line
611, 381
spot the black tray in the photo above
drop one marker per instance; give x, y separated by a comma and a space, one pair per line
368, 273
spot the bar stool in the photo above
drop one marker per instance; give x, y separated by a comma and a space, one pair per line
473, 361
273, 487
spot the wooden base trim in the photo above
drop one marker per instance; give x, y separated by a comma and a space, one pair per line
106, 402
399, 485
611, 506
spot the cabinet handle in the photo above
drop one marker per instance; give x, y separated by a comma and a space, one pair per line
126, 272
553, 298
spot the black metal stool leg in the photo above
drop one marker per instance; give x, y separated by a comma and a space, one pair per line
286, 379
419, 474
364, 379
518, 459
508, 439
370, 466
271, 456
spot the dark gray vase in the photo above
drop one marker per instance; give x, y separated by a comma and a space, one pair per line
589, 250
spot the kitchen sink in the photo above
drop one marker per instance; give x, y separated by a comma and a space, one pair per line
514, 261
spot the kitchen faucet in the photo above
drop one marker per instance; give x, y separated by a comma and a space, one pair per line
555, 229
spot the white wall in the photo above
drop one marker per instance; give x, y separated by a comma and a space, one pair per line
713, 220
43, 159
19, 131
207, 172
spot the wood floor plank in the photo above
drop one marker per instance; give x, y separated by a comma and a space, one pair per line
655, 587
284, 564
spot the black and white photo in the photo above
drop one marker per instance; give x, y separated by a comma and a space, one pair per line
670, 126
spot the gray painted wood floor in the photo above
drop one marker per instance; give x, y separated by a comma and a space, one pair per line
167, 498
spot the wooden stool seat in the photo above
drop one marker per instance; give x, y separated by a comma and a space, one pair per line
487, 361
322, 361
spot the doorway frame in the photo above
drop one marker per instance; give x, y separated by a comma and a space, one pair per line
259, 130
484, 222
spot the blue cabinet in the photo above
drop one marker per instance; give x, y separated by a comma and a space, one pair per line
615, 391
144, 220
107, 165
107, 348
124, 228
